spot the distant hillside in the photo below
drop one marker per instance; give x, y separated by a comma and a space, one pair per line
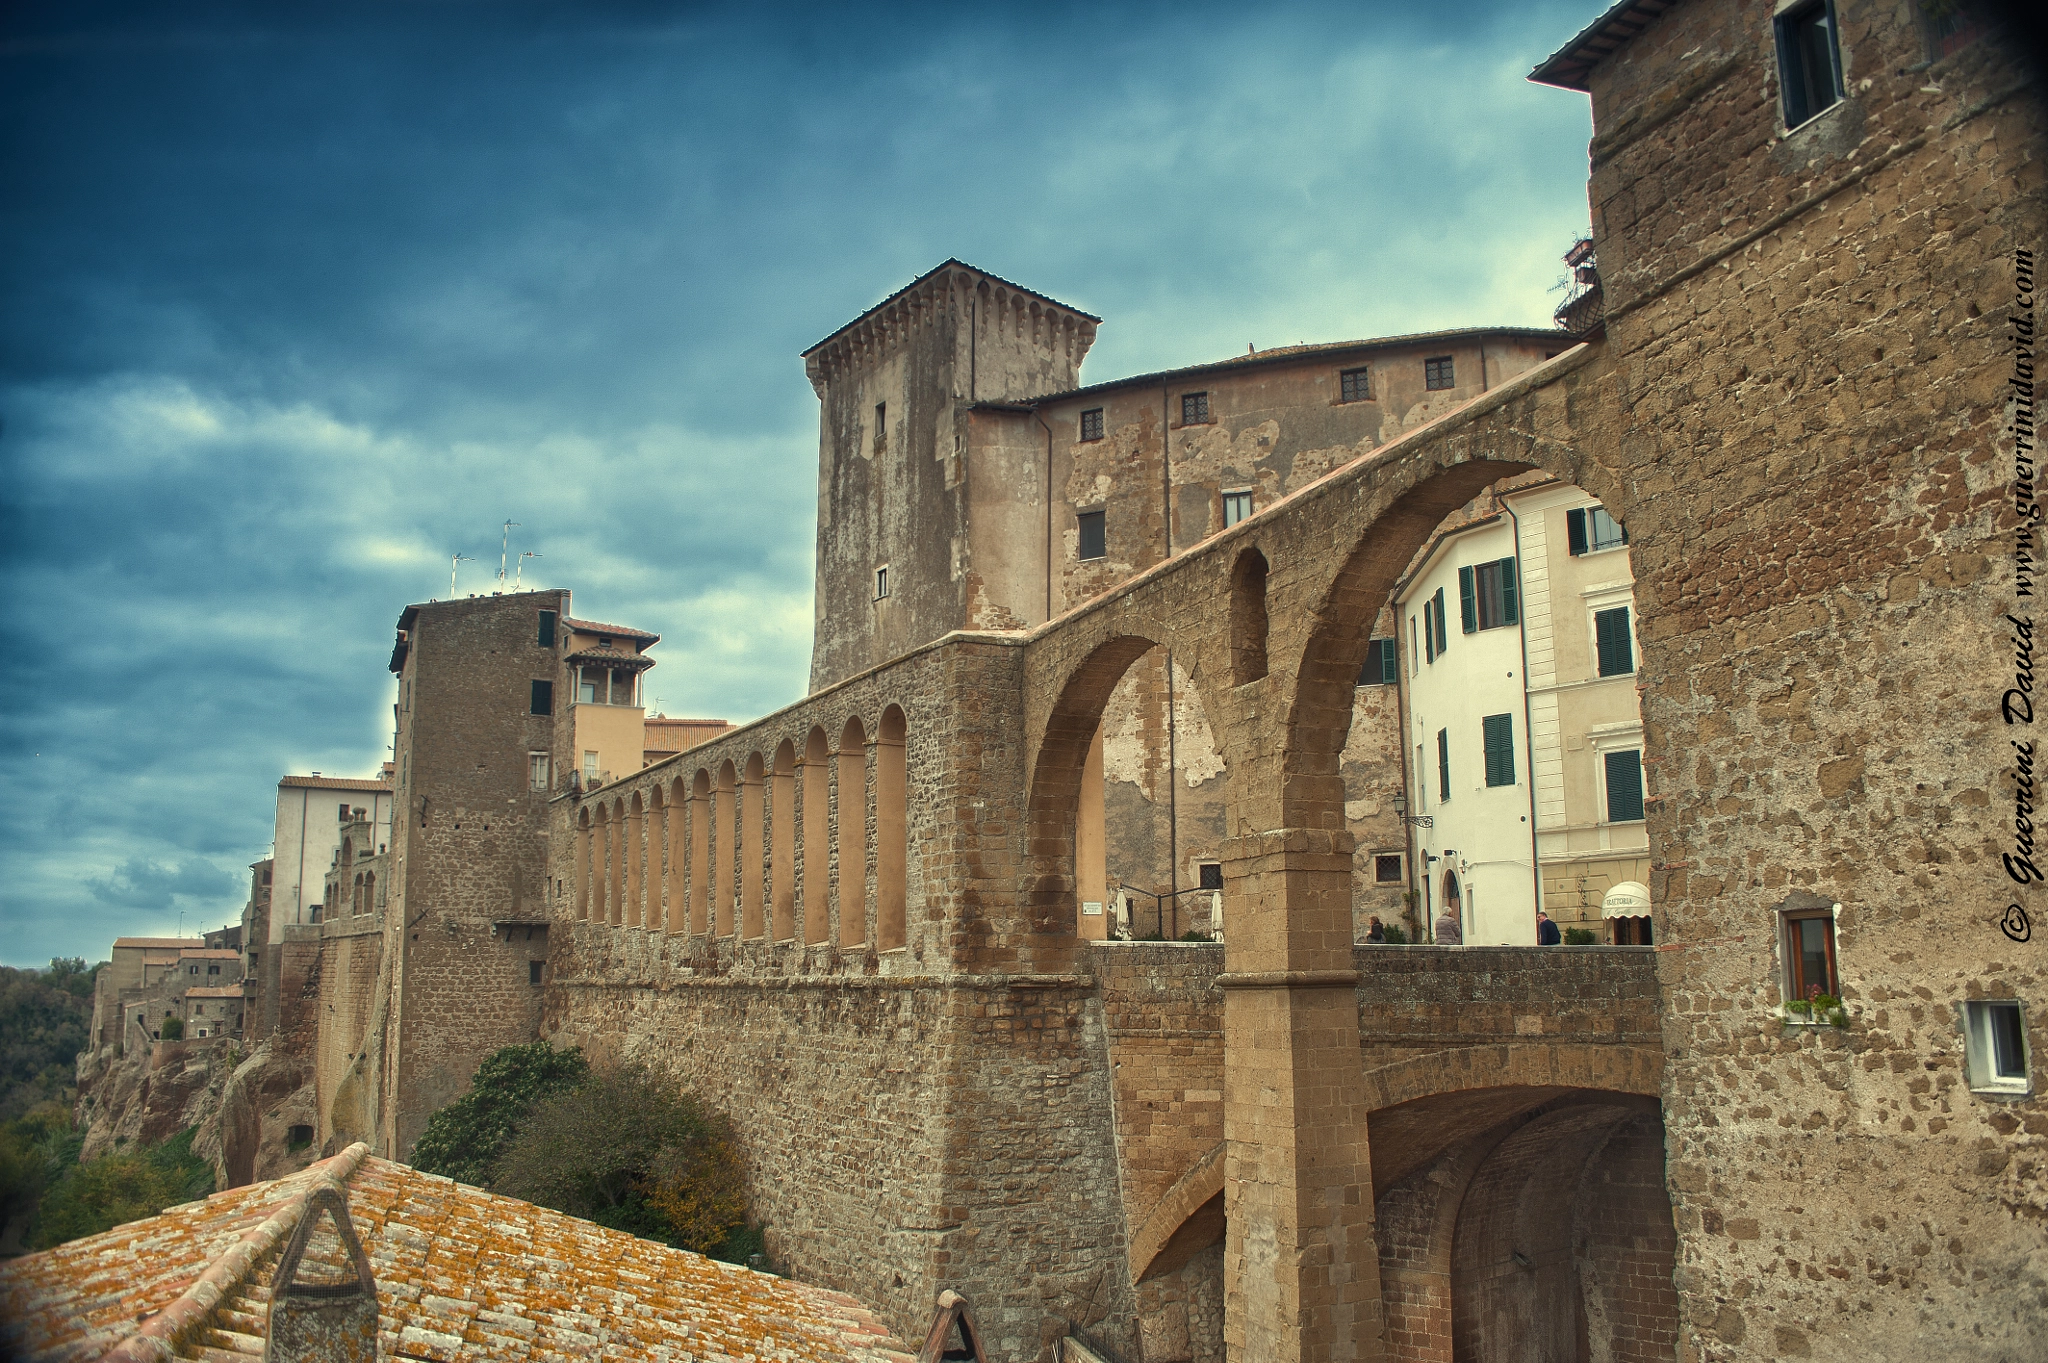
44, 1017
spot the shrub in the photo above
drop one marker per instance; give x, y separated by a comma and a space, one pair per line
118, 1188
630, 1151
43, 1020
172, 1030
1397, 936
465, 1139
1578, 937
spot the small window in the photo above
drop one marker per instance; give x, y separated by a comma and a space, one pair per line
1443, 765
1590, 529
881, 426
1611, 637
546, 636
590, 768
1809, 61
1382, 661
1438, 373
1995, 1045
1440, 637
1486, 595
1211, 875
533, 970
1091, 424
1094, 535
1810, 955
1236, 506
586, 687
543, 701
1414, 654
1194, 409
1428, 630
1499, 732
1950, 25
1355, 385
213, 970
1624, 772
537, 770
881, 582
193, 971
343, 814
1386, 868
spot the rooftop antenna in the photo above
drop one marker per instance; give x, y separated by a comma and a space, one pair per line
519, 573
504, 545
453, 560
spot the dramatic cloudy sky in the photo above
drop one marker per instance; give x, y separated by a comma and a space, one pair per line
297, 301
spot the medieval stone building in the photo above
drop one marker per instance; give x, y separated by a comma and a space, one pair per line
1806, 1119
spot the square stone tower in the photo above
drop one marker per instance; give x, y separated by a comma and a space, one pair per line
899, 563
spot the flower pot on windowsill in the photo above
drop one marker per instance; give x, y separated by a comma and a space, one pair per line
1822, 1011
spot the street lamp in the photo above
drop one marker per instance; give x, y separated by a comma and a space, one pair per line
1401, 813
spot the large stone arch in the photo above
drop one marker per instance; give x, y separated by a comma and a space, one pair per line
1187, 1219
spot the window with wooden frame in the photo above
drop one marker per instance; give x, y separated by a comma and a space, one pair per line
1995, 1046
1589, 530
544, 635
881, 582
1382, 663
1612, 641
1194, 409
1091, 424
1810, 955
1809, 61
1498, 732
542, 701
1487, 595
1236, 506
1354, 385
1092, 539
1623, 776
1438, 373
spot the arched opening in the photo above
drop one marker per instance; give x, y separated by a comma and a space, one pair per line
1248, 618
581, 886
601, 866
725, 854
753, 859
782, 843
700, 853
851, 810
656, 872
677, 917
817, 839
633, 913
369, 892
892, 832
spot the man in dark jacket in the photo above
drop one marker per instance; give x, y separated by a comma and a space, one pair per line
1546, 931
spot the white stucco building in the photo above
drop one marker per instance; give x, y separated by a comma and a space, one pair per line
1521, 725
311, 813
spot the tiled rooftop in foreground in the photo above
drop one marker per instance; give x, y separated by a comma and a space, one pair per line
461, 1274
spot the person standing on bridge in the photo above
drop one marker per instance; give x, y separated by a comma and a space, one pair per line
1546, 931
1448, 932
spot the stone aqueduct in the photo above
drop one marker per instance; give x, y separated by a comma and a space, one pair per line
911, 832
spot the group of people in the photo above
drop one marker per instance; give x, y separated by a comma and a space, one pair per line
1451, 933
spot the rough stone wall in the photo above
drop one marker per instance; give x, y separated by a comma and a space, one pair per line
1815, 327
351, 960
468, 849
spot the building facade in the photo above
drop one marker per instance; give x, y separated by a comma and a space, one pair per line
311, 812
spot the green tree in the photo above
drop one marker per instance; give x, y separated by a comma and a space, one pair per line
121, 1187
464, 1140
631, 1151
44, 1017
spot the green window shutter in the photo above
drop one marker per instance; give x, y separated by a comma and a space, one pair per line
1575, 530
1500, 749
1468, 605
545, 637
1428, 630
1443, 765
1443, 636
1390, 661
1510, 609
1624, 786
1617, 653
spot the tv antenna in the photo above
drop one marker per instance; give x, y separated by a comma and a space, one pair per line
519, 573
453, 560
504, 546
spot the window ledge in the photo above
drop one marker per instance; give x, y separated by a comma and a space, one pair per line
2003, 1095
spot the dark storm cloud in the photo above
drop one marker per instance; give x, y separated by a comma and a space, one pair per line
300, 301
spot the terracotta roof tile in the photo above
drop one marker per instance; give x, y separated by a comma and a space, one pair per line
461, 1274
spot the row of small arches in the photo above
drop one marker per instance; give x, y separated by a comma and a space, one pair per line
774, 848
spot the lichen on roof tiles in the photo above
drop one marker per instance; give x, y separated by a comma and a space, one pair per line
461, 1274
